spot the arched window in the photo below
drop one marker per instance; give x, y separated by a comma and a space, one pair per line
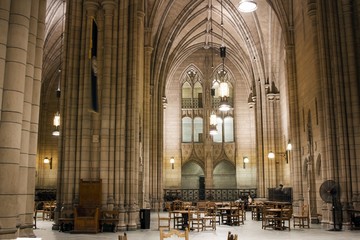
198, 129
197, 96
186, 129
186, 95
218, 137
192, 98
228, 129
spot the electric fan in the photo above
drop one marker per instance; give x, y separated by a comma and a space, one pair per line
330, 192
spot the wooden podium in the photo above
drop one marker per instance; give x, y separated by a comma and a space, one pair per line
86, 215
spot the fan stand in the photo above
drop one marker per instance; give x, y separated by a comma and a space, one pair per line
334, 215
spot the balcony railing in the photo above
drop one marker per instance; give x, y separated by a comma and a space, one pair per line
190, 103
193, 195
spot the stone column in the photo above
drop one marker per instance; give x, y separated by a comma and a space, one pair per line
108, 107
272, 165
122, 16
11, 124
146, 127
133, 114
351, 75
4, 25
295, 156
31, 117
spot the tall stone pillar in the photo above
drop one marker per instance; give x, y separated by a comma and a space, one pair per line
23, 27
273, 165
108, 99
134, 94
147, 181
295, 156
31, 117
260, 155
351, 75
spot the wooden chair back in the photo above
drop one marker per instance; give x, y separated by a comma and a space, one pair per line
177, 205
232, 236
122, 237
163, 220
174, 232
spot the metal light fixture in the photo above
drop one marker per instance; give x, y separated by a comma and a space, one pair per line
56, 131
289, 146
245, 160
247, 6
224, 87
271, 155
56, 122
172, 161
48, 161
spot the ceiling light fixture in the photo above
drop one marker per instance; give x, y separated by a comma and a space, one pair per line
224, 87
247, 6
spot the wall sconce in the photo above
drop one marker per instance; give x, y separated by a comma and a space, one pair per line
48, 161
172, 161
285, 154
245, 160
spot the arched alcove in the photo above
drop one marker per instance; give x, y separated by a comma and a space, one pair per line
190, 174
224, 175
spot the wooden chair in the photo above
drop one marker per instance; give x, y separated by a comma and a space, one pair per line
48, 210
122, 237
232, 236
174, 232
178, 217
268, 218
196, 220
236, 213
39, 210
285, 217
163, 221
209, 220
225, 214
302, 219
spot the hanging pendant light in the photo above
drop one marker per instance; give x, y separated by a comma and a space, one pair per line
56, 122
57, 119
247, 6
224, 87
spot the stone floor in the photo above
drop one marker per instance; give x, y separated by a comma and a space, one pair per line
250, 230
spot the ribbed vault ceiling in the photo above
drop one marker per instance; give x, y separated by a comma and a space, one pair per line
178, 28
254, 41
